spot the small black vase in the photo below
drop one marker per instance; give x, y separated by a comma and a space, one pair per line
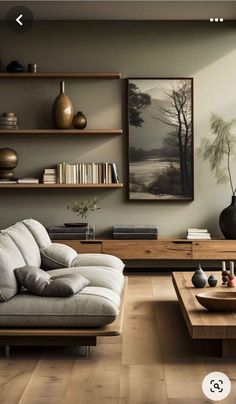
228, 220
15, 67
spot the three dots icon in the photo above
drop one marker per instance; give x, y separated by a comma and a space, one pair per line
216, 19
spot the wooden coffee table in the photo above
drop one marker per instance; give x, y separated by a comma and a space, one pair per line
201, 323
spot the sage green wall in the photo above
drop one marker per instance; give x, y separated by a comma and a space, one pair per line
204, 51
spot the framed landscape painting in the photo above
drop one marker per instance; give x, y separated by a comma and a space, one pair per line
160, 121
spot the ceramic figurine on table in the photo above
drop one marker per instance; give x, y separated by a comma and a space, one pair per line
199, 278
231, 282
224, 274
212, 281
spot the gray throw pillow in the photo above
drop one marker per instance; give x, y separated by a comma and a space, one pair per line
40, 283
57, 256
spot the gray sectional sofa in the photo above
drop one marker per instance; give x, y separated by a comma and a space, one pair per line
23, 314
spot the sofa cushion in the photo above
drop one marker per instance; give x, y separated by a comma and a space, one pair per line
57, 256
25, 242
10, 258
99, 277
39, 232
93, 307
102, 260
39, 282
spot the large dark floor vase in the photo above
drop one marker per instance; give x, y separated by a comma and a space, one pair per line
228, 220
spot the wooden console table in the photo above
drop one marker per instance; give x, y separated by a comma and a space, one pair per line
164, 248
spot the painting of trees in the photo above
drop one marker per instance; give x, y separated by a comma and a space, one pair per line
160, 139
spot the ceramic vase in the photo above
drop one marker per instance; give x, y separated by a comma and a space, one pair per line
228, 220
62, 109
80, 120
199, 278
15, 67
8, 161
212, 281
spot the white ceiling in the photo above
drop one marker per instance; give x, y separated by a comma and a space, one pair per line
125, 10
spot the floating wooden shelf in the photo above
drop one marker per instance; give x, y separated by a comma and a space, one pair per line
76, 132
62, 186
55, 75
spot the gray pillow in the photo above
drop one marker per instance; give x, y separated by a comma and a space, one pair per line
57, 256
40, 283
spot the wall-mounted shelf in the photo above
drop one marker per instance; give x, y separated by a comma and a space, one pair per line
76, 132
55, 75
62, 186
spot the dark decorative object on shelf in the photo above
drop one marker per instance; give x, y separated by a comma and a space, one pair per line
15, 67
8, 161
228, 220
32, 67
79, 120
199, 278
62, 109
212, 281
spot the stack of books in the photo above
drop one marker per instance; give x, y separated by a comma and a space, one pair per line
135, 232
8, 120
50, 176
198, 234
87, 173
71, 232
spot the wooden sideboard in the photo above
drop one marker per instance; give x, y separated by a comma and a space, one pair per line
164, 248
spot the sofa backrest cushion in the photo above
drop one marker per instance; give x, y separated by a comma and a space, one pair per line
39, 282
39, 232
57, 256
10, 258
25, 242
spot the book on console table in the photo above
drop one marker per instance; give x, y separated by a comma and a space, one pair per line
123, 228
198, 234
71, 236
135, 236
67, 229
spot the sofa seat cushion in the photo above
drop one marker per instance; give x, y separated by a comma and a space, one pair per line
39, 232
103, 260
10, 258
99, 277
92, 307
25, 242
40, 283
57, 256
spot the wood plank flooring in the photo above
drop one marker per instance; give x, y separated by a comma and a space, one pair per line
154, 362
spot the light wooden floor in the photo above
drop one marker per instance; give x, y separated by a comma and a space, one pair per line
154, 362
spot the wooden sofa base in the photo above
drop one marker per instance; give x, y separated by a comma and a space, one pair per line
64, 336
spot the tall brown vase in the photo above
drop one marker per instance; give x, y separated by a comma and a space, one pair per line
62, 110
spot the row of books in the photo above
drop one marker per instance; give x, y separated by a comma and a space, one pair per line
71, 233
198, 234
87, 173
135, 232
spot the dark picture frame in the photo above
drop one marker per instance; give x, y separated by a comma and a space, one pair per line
160, 139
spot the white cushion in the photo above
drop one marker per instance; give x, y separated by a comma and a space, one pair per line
57, 256
10, 259
39, 233
25, 242
102, 260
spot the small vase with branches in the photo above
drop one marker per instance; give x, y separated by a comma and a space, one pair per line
83, 209
219, 150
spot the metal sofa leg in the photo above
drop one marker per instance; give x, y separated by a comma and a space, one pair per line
7, 351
